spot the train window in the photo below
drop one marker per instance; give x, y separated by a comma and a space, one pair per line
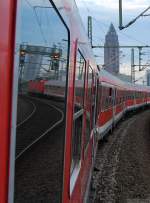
93, 95
119, 100
110, 92
102, 88
42, 47
110, 96
98, 100
105, 98
78, 112
95, 92
89, 104
79, 82
107, 102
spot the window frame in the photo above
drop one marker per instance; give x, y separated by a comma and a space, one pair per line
15, 90
91, 114
75, 170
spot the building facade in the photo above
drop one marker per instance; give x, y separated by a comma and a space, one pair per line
40, 62
111, 51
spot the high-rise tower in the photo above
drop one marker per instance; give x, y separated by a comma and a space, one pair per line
148, 77
111, 51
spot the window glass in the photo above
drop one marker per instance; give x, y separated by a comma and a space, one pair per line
78, 110
42, 48
79, 82
110, 96
104, 96
89, 104
95, 92
98, 100
107, 98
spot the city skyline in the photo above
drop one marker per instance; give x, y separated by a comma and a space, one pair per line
105, 12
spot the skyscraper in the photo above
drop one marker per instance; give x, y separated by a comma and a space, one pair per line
148, 77
111, 51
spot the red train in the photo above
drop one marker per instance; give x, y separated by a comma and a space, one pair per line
51, 89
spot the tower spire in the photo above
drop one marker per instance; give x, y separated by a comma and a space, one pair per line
112, 28
111, 53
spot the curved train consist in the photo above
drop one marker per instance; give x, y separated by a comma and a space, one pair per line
54, 103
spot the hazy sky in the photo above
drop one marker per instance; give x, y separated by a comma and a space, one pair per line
106, 11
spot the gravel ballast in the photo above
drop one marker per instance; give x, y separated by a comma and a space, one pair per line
122, 166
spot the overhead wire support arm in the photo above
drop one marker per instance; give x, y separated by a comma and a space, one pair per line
121, 27
121, 46
146, 15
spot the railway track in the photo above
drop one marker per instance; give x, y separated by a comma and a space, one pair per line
28, 116
31, 136
38, 176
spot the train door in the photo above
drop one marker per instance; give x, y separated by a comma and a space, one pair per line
114, 96
91, 95
38, 120
95, 138
95, 100
124, 101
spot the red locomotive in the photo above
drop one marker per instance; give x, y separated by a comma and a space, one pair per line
54, 103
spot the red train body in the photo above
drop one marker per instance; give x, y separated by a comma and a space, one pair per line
36, 86
92, 102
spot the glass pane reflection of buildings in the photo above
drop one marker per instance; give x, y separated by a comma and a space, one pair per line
42, 41
78, 111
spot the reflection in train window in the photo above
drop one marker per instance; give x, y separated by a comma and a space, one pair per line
89, 104
98, 100
40, 127
78, 110
79, 82
94, 93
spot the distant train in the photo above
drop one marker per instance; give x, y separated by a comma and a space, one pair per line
49, 128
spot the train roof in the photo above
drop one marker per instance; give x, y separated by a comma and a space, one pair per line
112, 80
58, 83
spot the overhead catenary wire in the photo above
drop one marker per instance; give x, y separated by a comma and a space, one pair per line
120, 33
37, 20
106, 26
89, 11
121, 26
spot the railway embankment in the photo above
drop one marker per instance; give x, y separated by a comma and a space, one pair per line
122, 166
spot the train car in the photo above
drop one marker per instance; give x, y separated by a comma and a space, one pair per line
48, 145
54, 88
36, 86
111, 102
116, 99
